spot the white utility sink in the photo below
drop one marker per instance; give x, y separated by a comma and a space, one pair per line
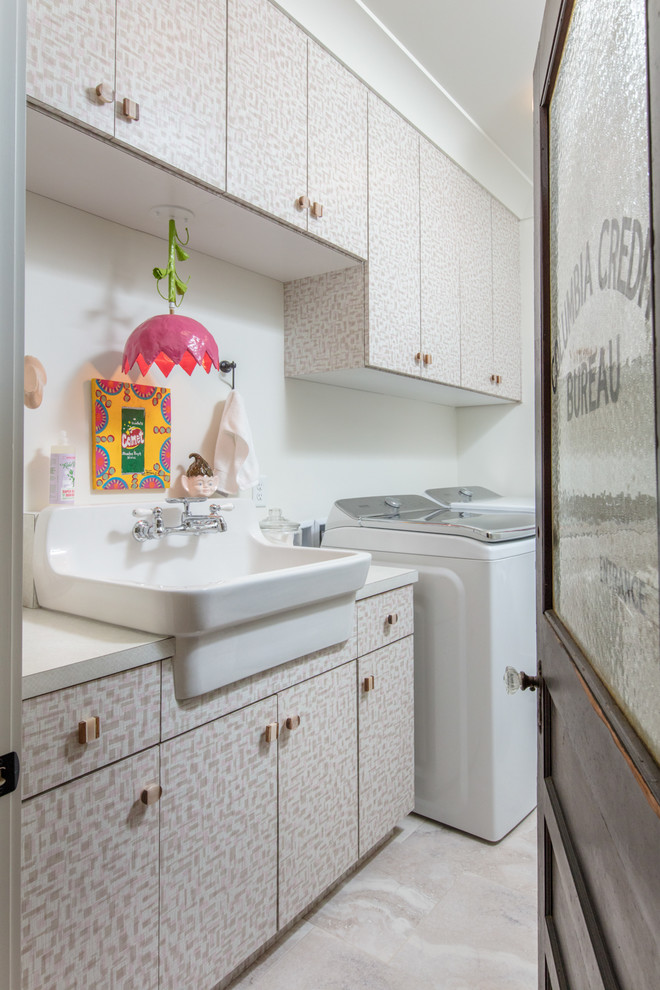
236, 603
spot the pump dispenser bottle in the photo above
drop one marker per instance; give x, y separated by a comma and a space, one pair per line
62, 472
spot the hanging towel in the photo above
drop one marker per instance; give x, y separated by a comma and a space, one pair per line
234, 462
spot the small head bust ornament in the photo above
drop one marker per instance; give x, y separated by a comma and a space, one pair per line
199, 479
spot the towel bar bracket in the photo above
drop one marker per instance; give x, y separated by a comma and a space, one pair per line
226, 367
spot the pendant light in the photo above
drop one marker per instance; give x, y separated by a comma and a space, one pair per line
170, 339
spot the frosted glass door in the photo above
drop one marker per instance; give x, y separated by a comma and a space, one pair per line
604, 485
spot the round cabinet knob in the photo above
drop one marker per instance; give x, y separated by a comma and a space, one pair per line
392, 618
292, 722
496, 379
418, 357
151, 794
518, 680
105, 93
303, 203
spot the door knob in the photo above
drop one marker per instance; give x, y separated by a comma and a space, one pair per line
518, 680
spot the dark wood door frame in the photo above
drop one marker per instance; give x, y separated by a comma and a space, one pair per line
610, 897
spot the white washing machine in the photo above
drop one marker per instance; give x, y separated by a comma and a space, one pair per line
475, 744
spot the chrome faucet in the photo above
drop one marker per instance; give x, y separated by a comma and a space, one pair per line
189, 522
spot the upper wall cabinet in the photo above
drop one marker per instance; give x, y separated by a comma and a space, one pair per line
394, 275
71, 52
506, 302
438, 302
171, 63
476, 287
165, 93
337, 153
296, 127
266, 109
440, 237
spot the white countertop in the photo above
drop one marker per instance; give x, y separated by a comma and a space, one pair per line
60, 650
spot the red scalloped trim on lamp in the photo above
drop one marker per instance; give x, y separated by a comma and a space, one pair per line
169, 339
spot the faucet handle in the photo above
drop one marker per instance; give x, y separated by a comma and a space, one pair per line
186, 499
147, 512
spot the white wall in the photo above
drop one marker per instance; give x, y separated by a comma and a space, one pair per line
89, 283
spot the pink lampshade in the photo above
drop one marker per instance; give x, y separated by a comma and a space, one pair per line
170, 339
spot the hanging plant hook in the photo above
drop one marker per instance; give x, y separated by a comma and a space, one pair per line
175, 285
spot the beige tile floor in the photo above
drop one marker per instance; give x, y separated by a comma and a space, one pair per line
434, 909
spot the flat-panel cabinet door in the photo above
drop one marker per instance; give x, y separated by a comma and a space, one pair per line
387, 740
171, 63
318, 837
439, 197
218, 868
506, 302
89, 875
71, 51
476, 288
266, 109
337, 134
394, 274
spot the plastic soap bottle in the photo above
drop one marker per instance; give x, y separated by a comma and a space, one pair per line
62, 472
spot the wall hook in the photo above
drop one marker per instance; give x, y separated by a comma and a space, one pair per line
226, 367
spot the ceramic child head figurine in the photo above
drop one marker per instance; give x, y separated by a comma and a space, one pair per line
199, 478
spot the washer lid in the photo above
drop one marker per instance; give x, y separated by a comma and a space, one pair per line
477, 499
416, 513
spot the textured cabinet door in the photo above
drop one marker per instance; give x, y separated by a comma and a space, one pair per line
90, 882
70, 51
171, 61
266, 109
337, 135
394, 273
386, 735
476, 287
218, 876
440, 237
317, 787
506, 301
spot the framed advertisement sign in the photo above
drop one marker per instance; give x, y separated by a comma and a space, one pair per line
132, 436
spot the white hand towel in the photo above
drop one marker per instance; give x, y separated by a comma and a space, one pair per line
235, 462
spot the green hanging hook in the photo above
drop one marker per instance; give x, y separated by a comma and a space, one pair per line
175, 285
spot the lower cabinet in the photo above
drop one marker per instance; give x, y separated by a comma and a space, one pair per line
387, 747
90, 882
318, 838
168, 867
218, 847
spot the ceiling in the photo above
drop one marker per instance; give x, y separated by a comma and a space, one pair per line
482, 53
